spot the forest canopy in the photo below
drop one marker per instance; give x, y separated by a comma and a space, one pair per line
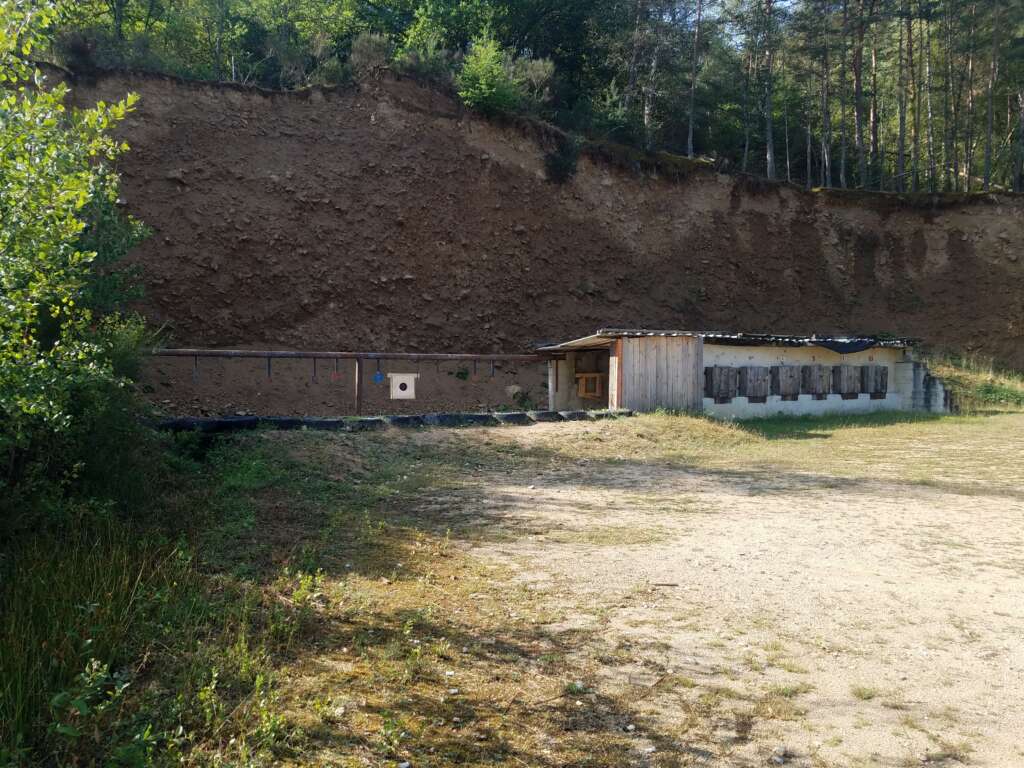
908, 95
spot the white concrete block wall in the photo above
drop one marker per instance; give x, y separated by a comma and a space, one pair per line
804, 405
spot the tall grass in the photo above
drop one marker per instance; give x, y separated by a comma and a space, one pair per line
978, 384
121, 645
95, 591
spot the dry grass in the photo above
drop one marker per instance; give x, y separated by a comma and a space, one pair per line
423, 652
959, 454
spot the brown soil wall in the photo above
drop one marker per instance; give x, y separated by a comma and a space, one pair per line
385, 218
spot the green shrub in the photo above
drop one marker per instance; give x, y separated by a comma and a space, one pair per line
371, 53
110, 234
484, 83
332, 71
533, 77
561, 163
426, 60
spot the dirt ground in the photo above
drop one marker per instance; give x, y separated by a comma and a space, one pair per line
827, 597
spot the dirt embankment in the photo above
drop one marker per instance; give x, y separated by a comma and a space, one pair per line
385, 218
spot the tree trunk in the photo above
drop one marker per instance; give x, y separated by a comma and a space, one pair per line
947, 114
117, 9
769, 133
901, 139
769, 84
915, 97
648, 95
746, 104
865, 12
789, 167
926, 53
993, 74
634, 59
826, 114
809, 170
969, 126
842, 95
1018, 184
693, 79
876, 159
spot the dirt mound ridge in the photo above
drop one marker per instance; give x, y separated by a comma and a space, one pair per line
386, 218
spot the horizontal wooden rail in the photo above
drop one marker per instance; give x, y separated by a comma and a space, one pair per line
258, 354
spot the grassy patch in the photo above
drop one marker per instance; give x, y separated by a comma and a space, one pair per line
978, 384
960, 454
864, 692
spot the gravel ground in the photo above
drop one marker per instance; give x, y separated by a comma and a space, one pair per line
775, 616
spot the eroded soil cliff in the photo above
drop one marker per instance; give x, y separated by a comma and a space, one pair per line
384, 218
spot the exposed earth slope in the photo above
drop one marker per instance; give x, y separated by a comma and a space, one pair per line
385, 218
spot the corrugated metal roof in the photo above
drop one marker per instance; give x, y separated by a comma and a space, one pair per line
605, 336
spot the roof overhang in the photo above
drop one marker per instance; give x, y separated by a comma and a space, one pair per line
603, 339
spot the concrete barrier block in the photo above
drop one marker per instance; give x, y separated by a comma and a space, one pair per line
325, 425
573, 415
281, 422
515, 418
366, 425
540, 416
478, 419
406, 422
459, 420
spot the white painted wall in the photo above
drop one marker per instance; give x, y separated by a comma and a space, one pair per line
901, 380
720, 354
804, 405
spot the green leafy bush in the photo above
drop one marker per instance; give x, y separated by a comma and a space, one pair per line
534, 78
428, 61
58, 198
371, 53
484, 83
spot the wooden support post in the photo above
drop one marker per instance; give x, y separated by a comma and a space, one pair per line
359, 386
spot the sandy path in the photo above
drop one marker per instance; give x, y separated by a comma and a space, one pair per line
840, 621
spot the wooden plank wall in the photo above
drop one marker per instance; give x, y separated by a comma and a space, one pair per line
815, 379
615, 375
754, 381
721, 382
662, 372
845, 379
874, 379
786, 380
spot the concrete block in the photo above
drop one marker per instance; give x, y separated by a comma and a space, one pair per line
406, 422
281, 422
459, 420
325, 425
544, 415
573, 415
366, 425
515, 418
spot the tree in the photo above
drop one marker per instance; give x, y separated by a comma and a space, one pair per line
694, 54
484, 84
865, 13
53, 163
